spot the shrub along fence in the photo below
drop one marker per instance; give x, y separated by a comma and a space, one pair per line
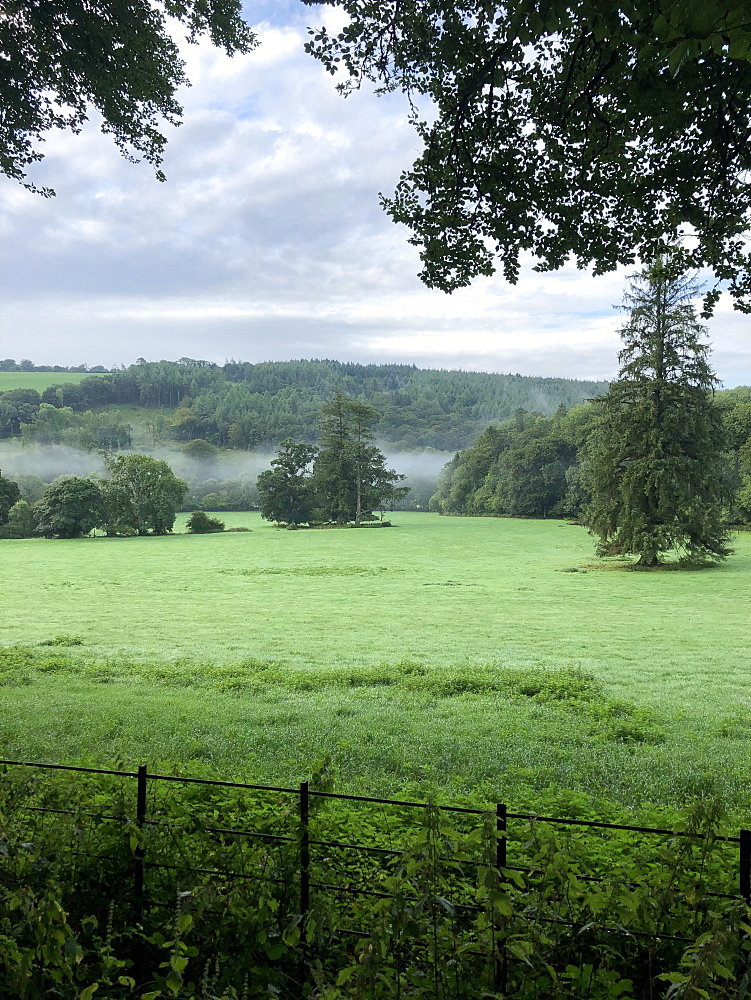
115, 882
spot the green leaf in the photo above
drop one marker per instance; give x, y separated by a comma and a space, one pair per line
661, 28
178, 963
345, 975
173, 982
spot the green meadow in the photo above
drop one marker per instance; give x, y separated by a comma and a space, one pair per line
38, 380
484, 657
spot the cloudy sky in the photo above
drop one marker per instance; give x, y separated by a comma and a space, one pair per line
267, 242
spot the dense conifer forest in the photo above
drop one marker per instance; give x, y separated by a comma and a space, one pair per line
246, 406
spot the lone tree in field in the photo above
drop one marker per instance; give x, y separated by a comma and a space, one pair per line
70, 507
656, 462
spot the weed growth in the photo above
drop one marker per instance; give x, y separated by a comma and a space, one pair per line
428, 907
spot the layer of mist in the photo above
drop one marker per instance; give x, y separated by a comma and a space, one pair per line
47, 461
50, 461
422, 464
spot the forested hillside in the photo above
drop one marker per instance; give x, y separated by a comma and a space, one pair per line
520, 441
247, 406
536, 466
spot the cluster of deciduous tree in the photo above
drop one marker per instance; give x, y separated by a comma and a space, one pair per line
242, 405
345, 479
527, 466
659, 461
221, 494
139, 495
26, 414
536, 466
86, 431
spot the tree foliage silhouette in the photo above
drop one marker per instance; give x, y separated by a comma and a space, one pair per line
656, 465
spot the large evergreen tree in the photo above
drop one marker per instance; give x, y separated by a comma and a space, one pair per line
656, 462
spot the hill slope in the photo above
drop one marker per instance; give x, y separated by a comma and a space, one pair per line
245, 405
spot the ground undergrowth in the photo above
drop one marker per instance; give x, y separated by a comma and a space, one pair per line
470, 729
201, 895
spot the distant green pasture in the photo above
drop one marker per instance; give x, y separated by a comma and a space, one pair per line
473, 653
39, 380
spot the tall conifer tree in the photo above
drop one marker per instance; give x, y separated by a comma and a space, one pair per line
350, 475
655, 461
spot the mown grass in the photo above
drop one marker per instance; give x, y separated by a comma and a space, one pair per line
459, 652
38, 380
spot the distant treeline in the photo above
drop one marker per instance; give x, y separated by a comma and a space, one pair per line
10, 365
246, 406
536, 466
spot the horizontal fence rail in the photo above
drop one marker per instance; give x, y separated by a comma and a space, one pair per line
304, 793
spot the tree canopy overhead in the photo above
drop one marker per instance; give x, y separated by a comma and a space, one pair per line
565, 129
61, 58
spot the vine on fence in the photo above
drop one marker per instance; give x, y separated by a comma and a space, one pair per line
244, 894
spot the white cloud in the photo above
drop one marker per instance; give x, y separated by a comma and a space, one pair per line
267, 241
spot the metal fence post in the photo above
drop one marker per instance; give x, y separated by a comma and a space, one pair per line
304, 881
138, 854
139, 957
501, 963
744, 866
500, 825
304, 851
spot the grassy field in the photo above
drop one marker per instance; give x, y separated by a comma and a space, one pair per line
484, 656
38, 380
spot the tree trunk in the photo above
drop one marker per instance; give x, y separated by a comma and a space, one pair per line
648, 560
358, 505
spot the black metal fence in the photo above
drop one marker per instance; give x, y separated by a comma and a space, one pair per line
296, 833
